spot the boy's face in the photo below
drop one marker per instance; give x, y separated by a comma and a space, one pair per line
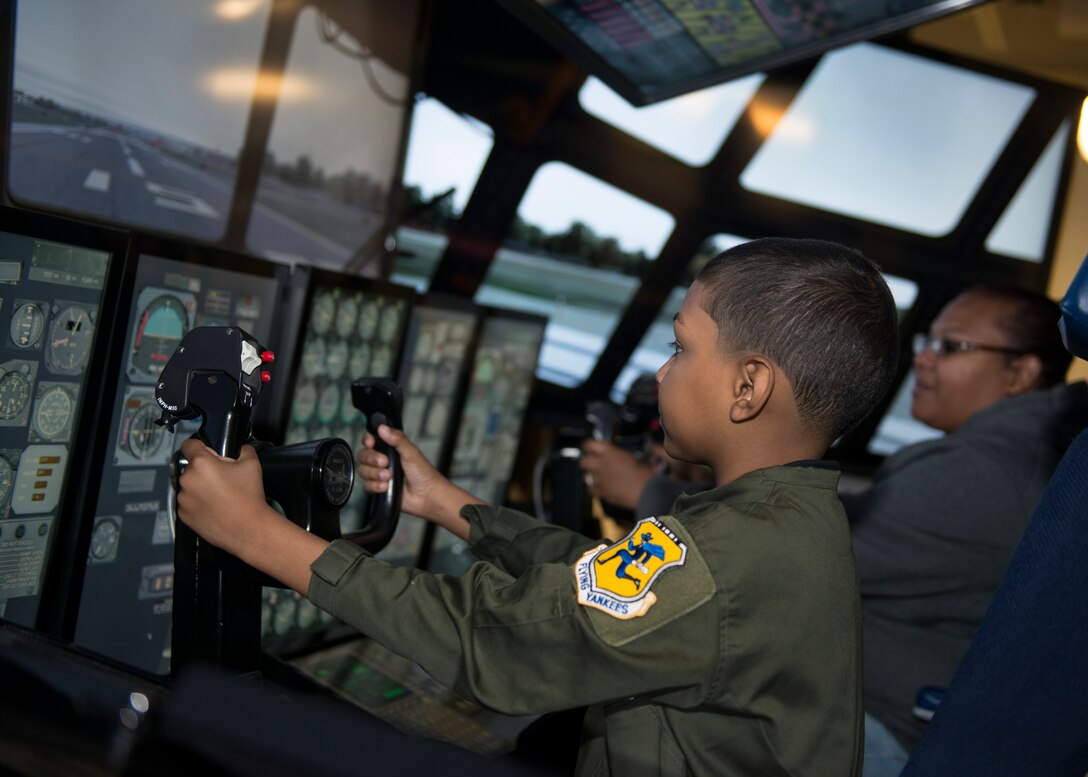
692, 385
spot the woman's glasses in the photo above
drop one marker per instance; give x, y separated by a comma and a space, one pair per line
943, 346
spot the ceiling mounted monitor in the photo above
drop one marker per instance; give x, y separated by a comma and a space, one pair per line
650, 50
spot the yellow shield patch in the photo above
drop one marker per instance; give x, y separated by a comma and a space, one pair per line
617, 578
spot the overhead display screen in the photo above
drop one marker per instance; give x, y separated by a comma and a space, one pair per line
51, 296
649, 50
503, 371
433, 375
125, 611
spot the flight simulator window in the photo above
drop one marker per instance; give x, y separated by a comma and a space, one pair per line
914, 162
691, 127
1022, 230
654, 349
575, 255
898, 427
324, 190
446, 153
132, 111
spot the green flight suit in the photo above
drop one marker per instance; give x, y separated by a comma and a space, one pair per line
747, 662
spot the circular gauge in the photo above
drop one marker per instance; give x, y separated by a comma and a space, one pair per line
390, 324
425, 344
296, 434
337, 473
359, 364
368, 319
458, 332
27, 325
14, 394
283, 616
53, 413
349, 414
437, 418
70, 337
323, 312
143, 437
7, 478
313, 358
445, 378
347, 316
382, 364
417, 379
307, 614
336, 359
305, 403
328, 403
159, 329
104, 539
430, 381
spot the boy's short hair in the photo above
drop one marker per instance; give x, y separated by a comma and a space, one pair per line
821, 311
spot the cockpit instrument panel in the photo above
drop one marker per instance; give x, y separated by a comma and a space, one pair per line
352, 327
125, 611
54, 278
433, 375
494, 409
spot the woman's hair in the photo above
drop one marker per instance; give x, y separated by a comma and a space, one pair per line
1030, 324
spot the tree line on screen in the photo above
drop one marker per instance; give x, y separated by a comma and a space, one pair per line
579, 243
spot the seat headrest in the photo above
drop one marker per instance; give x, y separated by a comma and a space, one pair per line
1074, 320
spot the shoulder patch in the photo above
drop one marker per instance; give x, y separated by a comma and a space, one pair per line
617, 579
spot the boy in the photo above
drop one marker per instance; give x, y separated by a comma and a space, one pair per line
730, 643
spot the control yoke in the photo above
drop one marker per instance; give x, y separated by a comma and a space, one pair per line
213, 375
380, 400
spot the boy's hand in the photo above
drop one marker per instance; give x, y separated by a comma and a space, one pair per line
613, 474
223, 501
220, 498
427, 493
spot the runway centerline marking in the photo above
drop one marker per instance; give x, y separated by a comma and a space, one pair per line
97, 180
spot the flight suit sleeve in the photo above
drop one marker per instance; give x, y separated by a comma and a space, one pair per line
524, 644
514, 541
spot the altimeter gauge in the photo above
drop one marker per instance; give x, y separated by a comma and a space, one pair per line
70, 337
14, 394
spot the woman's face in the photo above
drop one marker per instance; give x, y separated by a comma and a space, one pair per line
953, 386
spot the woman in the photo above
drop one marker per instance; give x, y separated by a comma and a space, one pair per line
941, 520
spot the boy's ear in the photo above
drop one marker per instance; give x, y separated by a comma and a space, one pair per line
751, 388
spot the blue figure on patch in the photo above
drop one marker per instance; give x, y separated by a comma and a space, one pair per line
636, 554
